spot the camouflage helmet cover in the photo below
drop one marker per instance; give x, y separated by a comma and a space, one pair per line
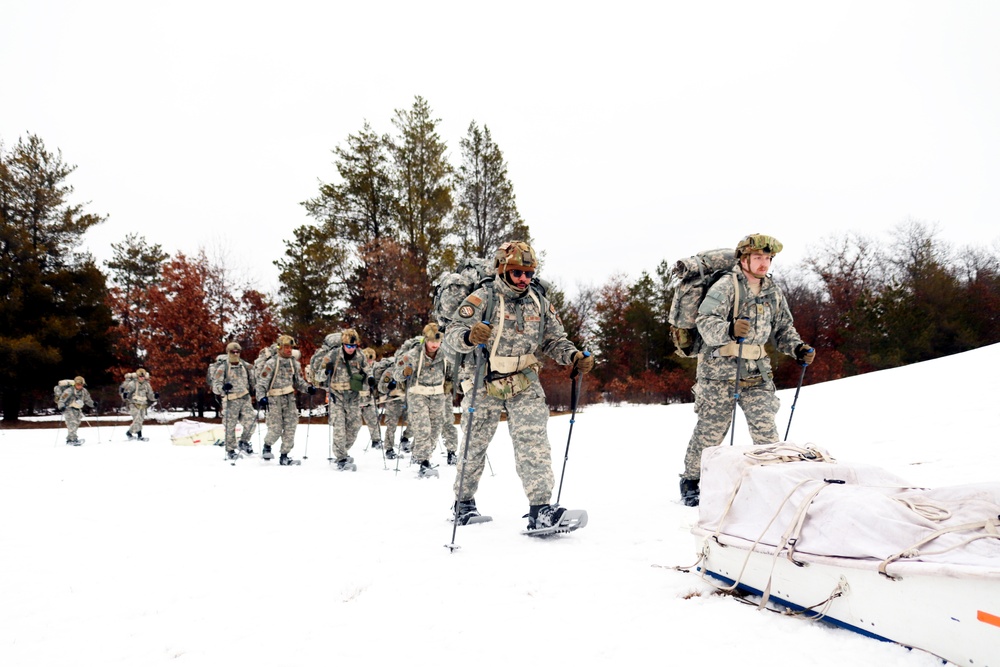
285, 339
349, 337
432, 332
758, 243
515, 255
79, 380
233, 347
141, 373
370, 353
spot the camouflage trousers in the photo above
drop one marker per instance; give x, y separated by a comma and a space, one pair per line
282, 419
448, 432
238, 411
345, 421
138, 413
370, 415
713, 403
394, 410
425, 418
73, 416
527, 423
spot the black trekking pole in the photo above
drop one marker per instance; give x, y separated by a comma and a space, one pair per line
795, 400
309, 417
736, 393
480, 354
574, 395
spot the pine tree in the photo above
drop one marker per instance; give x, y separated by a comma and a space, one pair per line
135, 266
422, 178
486, 212
53, 319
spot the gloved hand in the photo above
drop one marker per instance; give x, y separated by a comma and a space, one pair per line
329, 368
86, 409
311, 390
371, 382
60, 408
262, 402
156, 395
408, 371
583, 362
125, 395
805, 354
479, 333
740, 328
228, 387
392, 385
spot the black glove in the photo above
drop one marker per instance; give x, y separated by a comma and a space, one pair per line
228, 387
156, 395
311, 390
329, 368
805, 354
371, 382
392, 385
86, 409
125, 395
60, 408
262, 402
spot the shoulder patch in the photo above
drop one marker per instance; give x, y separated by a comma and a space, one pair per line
473, 299
466, 311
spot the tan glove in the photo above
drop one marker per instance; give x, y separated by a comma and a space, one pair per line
741, 328
408, 371
583, 362
805, 354
479, 333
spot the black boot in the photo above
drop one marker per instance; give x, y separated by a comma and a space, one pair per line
690, 493
427, 470
376, 444
452, 458
544, 516
266, 453
465, 510
390, 453
245, 447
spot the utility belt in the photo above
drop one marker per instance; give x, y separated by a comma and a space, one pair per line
139, 401
427, 390
340, 386
233, 397
732, 349
281, 392
76, 404
752, 381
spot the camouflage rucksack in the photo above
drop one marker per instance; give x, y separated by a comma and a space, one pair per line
693, 276
451, 288
58, 390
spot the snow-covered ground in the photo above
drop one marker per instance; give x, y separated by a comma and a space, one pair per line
124, 553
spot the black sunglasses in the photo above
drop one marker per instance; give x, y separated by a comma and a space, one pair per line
517, 273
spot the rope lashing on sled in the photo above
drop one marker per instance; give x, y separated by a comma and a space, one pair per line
786, 452
990, 530
928, 511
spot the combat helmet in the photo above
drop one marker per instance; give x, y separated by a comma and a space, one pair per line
515, 255
758, 243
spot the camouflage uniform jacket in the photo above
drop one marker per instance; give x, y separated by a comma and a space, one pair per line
769, 318
141, 394
74, 398
239, 375
427, 372
383, 375
521, 333
280, 375
343, 368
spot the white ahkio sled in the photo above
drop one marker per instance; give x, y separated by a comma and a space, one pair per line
855, 546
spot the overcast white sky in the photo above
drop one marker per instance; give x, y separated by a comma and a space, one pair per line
634, 131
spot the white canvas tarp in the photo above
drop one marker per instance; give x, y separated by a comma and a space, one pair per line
818, 506
188, 432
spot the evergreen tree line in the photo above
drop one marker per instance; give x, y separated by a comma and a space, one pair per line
397, 218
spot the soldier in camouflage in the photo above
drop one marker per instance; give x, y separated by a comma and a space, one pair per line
233, 382
394, 402
72, 402
739, 314
369, 403
422, 368
140, 395
277, 381
510, 321
347, 374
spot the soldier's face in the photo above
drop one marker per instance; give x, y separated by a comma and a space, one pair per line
78, 386
758, 264
432, 346
286, 351
520, 279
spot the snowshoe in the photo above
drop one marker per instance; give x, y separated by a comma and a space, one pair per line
346, 465
545, 520
246, 447
75, 442
287, 460
266, 453
376, 444
232, 455
389, 453
427, 470
128, 434
690, 492
138, 436
452, 458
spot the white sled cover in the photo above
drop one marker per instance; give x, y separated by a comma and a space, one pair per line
188, 432
798, 499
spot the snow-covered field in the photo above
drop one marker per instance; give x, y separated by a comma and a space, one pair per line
124, 553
